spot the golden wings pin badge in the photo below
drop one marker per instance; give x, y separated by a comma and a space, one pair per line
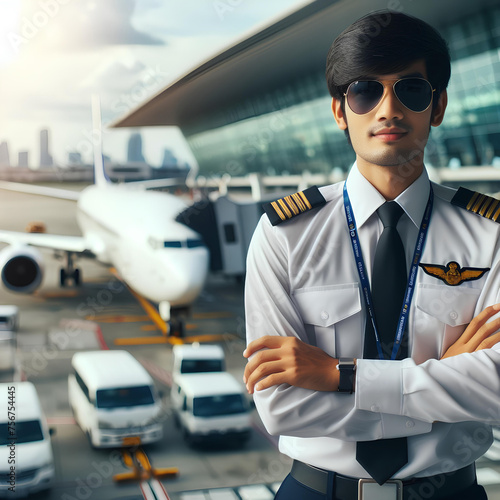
452, 274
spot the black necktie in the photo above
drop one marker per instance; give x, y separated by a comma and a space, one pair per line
384, 457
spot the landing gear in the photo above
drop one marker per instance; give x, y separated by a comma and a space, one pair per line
70, 272
174, 318
176, 327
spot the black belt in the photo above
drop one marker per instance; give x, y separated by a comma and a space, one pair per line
346, 488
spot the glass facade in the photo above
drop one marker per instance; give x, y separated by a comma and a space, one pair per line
290, 130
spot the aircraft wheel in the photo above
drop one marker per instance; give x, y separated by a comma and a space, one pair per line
77, 277
176, 328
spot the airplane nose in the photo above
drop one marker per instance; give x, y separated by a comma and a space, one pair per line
189, 274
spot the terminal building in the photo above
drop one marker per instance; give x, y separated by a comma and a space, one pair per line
262, 104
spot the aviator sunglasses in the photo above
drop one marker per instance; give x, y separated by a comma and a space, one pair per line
413, 93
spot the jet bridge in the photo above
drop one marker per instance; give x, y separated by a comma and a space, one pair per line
226, 226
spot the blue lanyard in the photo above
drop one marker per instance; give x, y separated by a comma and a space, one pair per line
360, 265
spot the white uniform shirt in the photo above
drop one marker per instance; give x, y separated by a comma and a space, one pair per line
302, 281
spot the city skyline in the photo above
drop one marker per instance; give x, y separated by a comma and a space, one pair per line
54, 55
134, 154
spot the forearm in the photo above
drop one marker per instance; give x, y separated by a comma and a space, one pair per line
293, 411
456, 389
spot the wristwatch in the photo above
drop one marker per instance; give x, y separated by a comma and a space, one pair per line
346, 367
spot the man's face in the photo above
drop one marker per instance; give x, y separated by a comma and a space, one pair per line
390, 134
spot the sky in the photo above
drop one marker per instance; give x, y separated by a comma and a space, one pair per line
54, 54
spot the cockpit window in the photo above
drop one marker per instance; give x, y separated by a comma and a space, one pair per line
190, 243
194, 243
172, 244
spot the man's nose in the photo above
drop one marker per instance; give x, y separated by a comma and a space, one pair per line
389, 107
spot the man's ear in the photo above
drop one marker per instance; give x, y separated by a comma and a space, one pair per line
338, 114
438, 112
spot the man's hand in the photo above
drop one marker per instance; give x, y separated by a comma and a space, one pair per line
479, 334
288, 360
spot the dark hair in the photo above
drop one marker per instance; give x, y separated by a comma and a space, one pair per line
386, 42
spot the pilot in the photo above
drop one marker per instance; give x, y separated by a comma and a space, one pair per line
378, 368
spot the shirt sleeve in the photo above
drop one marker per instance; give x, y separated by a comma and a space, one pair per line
456, 389
294, 411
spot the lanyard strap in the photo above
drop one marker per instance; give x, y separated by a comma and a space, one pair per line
363, 277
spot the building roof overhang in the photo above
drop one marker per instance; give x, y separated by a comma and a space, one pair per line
268, 59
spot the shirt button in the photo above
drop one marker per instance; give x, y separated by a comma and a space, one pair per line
453, 315
324, 315
375, 408
410, 423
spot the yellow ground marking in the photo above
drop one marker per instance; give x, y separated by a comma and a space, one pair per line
213, 315
222, 337
142, 469
120, 318
152, 328
149, 328
141, 340
58, 294
147, 306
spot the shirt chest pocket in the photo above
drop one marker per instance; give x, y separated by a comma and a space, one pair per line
332, 318
442, 314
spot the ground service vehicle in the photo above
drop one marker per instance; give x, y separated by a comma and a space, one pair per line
198, 358
26, 459
113, 399
210, 405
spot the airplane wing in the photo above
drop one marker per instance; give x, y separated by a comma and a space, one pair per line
62, 194
75, 244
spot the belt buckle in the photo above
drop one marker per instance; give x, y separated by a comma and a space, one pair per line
369, 489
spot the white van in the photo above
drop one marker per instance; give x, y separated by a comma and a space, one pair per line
26, 460
210, 405
197, 358
113, 399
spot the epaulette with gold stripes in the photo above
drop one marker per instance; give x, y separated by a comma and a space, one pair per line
295, 204
478, 203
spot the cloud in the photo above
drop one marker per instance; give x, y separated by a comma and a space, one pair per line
82, 24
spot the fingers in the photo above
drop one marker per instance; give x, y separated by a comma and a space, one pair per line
489, 342
483, 334
264, 375
479, 321
258, 361
267, 341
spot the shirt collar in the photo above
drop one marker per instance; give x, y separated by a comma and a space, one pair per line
365, 199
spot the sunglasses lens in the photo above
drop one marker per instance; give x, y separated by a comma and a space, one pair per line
414, 93
363, 96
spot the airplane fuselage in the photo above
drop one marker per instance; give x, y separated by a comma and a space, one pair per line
135, 231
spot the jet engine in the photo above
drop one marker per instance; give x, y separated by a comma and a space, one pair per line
21, 268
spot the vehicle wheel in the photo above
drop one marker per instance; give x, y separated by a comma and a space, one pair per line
89, 437
187, 437
62, 277
177, 422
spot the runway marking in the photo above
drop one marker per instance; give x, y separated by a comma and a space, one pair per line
142, 470
100, 338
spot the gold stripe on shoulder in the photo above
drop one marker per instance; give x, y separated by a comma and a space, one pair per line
293, 205
304, 199
278, 210
477, 203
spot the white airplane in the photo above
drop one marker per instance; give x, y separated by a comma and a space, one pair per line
135, 231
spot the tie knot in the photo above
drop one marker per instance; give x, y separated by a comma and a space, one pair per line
389, 213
